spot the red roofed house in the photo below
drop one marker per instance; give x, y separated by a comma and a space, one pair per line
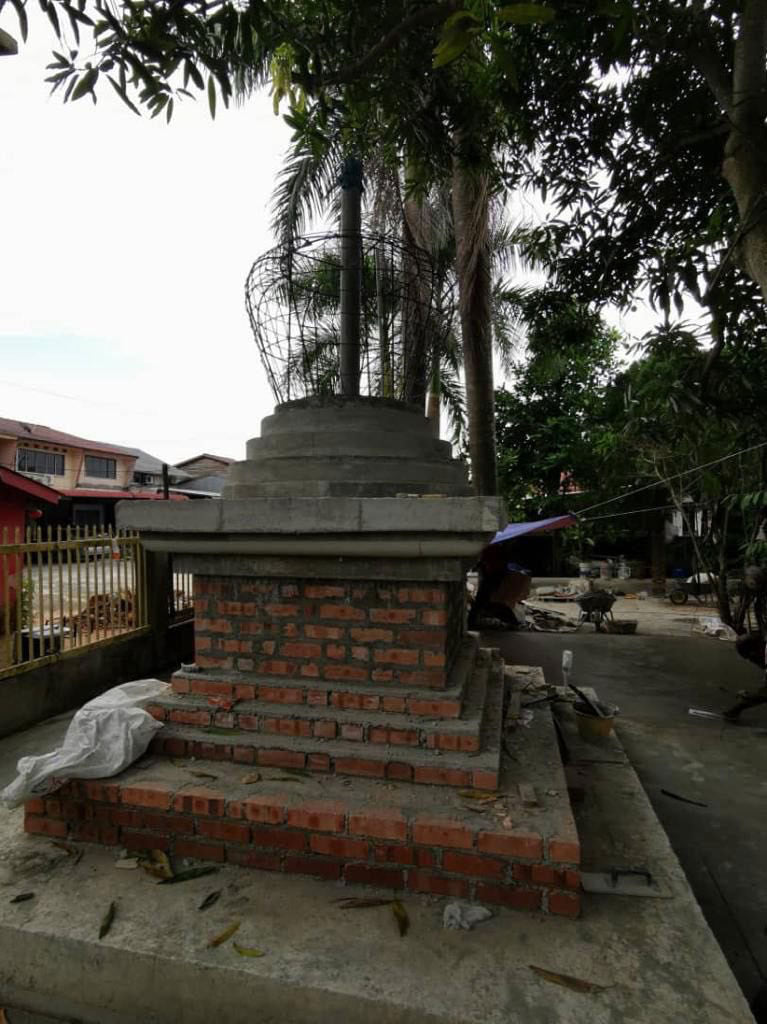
90, 477
20, 501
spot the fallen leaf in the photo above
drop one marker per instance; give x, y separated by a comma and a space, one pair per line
218, 730
477, 794
507, 822
227, 933
400, 916
283, 778
157, 865
23, 897
299, 771
107, 919
567, 980
184, 876
249, 780
210, 899
71, 851
203, 775
248, 950
358, 902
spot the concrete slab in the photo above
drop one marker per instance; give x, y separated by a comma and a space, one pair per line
656, 959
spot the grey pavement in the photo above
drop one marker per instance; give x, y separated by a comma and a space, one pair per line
655, 680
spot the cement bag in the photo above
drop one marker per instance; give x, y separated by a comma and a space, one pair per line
105, 736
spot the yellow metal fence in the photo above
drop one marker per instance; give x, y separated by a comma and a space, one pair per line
65, 589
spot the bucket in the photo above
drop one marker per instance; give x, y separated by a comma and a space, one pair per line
589, 726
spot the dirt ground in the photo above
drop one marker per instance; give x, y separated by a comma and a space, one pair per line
655, 616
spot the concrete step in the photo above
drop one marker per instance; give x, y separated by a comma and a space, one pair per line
369, 415
378, 469
345, 489
320, 444
329, 722
433, 702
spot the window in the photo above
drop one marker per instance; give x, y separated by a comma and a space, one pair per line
104, 468
33, 460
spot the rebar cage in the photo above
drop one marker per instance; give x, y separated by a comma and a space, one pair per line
293, 300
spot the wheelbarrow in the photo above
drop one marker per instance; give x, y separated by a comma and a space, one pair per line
595, 606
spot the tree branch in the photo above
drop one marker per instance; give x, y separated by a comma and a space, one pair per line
423, 16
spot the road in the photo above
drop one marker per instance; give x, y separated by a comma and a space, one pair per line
655, 680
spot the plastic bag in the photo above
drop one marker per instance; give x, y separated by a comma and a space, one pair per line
105, 736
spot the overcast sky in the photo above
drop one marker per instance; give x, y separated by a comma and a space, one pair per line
124, 247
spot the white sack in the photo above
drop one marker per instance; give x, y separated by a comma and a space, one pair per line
105, 736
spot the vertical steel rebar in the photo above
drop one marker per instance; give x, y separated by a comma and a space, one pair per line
351, 276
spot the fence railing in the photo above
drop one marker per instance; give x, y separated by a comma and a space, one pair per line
67, 588
180, 595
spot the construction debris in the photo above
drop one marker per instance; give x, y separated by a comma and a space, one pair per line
462, 915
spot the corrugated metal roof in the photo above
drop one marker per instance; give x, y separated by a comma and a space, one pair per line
88, 492
31, 487
205, 455
46, 435
146, 463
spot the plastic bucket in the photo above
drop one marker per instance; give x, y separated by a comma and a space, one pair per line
589, 726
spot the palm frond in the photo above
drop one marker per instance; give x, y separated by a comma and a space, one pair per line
306, 189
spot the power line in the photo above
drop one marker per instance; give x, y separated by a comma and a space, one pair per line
633, 512
675, 476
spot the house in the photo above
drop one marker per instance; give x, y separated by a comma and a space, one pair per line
205, 465
20, 501
89, 476
147, 471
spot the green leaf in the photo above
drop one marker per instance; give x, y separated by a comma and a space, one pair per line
526, 14
212, 96
22, 16
169, 111
85, 84
50, 10
451, 48
247, 950
123, 95
458, 17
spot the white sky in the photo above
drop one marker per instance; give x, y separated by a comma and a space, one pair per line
124, 248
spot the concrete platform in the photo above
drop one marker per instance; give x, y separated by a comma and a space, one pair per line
655, 958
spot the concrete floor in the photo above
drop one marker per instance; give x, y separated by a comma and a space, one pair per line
655, 960
654, 680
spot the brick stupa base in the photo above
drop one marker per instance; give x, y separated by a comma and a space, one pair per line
333, 662
392, 835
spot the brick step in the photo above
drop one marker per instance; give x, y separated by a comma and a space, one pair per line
329, 722
387, 697
344, 757
362, 831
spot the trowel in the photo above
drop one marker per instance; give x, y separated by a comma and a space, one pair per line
624, 882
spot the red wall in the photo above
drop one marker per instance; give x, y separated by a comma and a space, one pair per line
12, 515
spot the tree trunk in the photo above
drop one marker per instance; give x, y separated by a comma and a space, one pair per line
471, 199
743, 100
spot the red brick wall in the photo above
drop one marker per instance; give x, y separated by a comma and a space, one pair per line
336, 630
377, 846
